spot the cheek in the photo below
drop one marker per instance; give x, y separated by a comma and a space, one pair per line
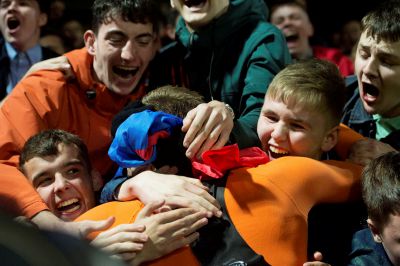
47, 195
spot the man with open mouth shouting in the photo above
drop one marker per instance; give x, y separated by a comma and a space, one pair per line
20, 23
374, 108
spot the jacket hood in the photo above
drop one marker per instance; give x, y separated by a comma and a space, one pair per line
239, 13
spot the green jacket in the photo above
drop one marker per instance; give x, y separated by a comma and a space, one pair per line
232, 59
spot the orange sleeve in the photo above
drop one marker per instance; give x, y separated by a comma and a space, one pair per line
347, 137
19, 119
126, 212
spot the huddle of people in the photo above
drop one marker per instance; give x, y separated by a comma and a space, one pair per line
224, 166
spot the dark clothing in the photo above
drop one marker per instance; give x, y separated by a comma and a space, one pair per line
232, 59
5, 65
365, 251
360, 121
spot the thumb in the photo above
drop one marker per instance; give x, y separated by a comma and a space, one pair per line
86, 227
149, 209
318, 256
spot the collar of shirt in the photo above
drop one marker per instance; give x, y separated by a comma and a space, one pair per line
385, 126
34, 53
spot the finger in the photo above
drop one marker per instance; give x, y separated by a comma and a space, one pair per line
149, 209
318, 256
137, 228
188, 226
195, 182
187, 121
182, 242
122, 247
86, 227
202, 114
181, 202
205, 197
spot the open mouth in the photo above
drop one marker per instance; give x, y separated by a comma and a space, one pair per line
292, 37
13, 23
125, 72
69, 206
370, 93
190, 3
276, 152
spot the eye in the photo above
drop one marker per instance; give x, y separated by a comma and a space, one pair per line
144, 41
271, 118
297, 126
44, 181
364, 54
73, 171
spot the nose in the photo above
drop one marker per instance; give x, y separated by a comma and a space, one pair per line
279, 132
371, 67
60, 182
128, 52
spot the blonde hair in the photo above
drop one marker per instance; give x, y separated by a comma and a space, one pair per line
314, 84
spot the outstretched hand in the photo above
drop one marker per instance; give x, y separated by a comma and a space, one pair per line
207, 127
177, 191
57, 63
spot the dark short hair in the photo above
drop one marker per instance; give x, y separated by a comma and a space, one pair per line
46, 143
381, 188
136, 11
278, 3
383, 23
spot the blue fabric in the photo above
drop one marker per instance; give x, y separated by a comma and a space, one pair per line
131, 137
365, 251
20, 62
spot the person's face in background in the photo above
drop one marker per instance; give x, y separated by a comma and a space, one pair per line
377, 66
122, 51
20, 22
295, 24
198, 13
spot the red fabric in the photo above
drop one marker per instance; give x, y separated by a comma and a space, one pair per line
215, 163
153, 139
344, 63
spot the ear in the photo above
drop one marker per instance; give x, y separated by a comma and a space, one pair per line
97, 181
172, 3
90, 41
374, 230
42, 19
330, 139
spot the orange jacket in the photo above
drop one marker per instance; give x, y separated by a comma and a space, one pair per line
268, 206
45, 100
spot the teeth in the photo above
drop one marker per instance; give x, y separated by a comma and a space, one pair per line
67, 202
277, 150
127, 68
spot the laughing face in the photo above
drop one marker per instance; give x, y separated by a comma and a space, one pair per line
63, 182
20, 22
197, 13
293, 131
295, 24
377, 66
122, 51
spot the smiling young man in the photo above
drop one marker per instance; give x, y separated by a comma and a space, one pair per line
374, 109
108, 74
20, 24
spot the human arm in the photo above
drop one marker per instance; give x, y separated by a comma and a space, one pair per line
178, 191
57, 63
365, 150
